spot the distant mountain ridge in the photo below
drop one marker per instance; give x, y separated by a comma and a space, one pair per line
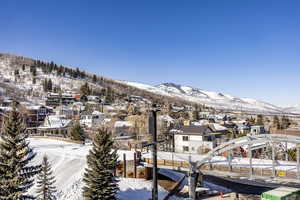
166, 92
214, 99
292, 109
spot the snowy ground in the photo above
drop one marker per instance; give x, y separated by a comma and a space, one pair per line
68, 164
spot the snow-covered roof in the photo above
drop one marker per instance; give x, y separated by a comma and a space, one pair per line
122, 124
6, 109
33, 107
175, 131
91, 102
240, 122
219, 127
166, 118
78, 104
55, 121
110, 108
51, 94
63, 107
107, 120
92, 97
242, 126
97, 113
196, 124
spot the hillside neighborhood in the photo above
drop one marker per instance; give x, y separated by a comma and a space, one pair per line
70, 105
149, 100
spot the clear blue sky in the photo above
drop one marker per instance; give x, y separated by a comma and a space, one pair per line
245, 48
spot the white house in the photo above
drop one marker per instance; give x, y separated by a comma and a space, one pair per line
95, 119
93, 98
243, 128
256, 130
122, 128
77, 107
194, 139
55, 125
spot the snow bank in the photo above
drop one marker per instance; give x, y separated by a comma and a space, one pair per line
68, 162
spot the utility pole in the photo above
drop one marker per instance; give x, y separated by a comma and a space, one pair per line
153, 131
153, 144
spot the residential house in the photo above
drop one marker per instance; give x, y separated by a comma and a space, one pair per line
64, 110
165, 121
92, 120
256, 130
94, 98
55, 125
36, 114
194, 139
122, 128
204, 115
243, 128
7, 102
77, 108
139, 126
56, 99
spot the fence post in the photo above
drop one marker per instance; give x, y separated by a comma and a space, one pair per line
124, 165
134, 165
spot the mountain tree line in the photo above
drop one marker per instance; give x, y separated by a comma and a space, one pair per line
47, 85
50, 67
119, 88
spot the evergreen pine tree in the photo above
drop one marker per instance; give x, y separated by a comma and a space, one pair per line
82, 75
110, 96
49, 85
95, 78
34, 72
196, 113
85, 89
77, 133
16, 72
100, 181
276, 122
16, 175
23, 67
45, 85
76, 73
45, 182
285, 122
260, 120
51, 66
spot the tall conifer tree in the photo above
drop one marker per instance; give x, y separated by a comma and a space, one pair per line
77, 132
16, 175
46, 189
99, 178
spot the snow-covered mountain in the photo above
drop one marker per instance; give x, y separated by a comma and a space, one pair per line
292, 109
10, 63
214, 99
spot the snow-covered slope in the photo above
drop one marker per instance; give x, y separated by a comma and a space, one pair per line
68, 162
8, 65
214, 99
293, 109
24, 83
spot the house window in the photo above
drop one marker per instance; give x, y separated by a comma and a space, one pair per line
185, 148
185, 138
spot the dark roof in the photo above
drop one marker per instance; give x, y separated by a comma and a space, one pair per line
195, 130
